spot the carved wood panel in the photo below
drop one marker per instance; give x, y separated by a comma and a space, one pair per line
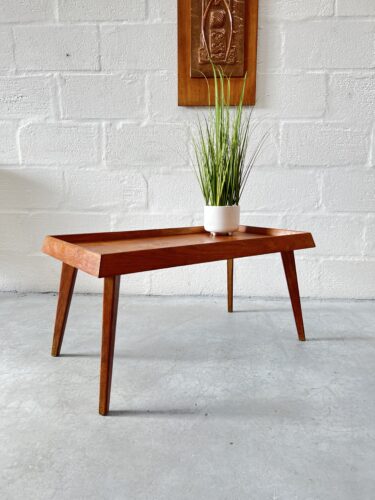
221, 31
217, 35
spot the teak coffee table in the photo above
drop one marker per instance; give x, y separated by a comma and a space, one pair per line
109, 255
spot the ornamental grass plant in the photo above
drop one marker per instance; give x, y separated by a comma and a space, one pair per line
221, 146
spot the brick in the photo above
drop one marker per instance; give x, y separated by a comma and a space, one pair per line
6, 49
97, 10
56, 48
249, 219
177, 192
355, 8
50, 143
348, 278
350, 191
22, 97
163, 10
370, 236
103, 189
147, 145
25, 189
147, 220
330, 44
258, 276
292, 96
351, 98
8, 147
34, 273
39, 273
104, 96
334, 235
162, 91
323, 144
24, 233
295, 9
139, 47
26, 11
201, 279
270, 48
265, 132
263, 276
280, 190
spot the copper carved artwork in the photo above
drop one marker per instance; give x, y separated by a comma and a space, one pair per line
223, 32
217, 35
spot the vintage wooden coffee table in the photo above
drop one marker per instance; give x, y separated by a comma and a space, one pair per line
109, 255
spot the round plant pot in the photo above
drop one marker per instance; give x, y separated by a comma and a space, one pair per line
221, 220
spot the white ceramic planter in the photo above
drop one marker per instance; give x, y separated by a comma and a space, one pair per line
221, 220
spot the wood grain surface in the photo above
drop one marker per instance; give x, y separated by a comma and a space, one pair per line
109, 254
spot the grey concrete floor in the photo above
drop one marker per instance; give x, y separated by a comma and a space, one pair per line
205, 405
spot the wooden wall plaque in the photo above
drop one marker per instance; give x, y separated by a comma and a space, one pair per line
224, 31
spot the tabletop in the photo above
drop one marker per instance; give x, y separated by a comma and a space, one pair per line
126, 252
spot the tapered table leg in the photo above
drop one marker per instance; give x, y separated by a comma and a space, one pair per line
291, 278
230, 284
67, 281
110, 306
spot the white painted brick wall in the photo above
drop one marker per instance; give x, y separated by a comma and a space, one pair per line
25, 97
349, 191
163, 10
108, 10
6, 49
57, 143
370, 236
27, 189
17, 237
147, 145
91, 139
139, 47
270, 47
300, 95
24, 11
297, 10
319, 144
330, 44
115, 191
8, 145
56, 48
355, 8
281, 190
352, 98
105, 97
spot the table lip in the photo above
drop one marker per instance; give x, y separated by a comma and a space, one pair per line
67, 248
77, 238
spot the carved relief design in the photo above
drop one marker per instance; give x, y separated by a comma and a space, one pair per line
217, 28
216, 32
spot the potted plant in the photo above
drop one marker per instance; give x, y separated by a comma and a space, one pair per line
222, 167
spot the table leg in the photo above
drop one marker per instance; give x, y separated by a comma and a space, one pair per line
291, 278
230, 284
110, 305
67, 281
